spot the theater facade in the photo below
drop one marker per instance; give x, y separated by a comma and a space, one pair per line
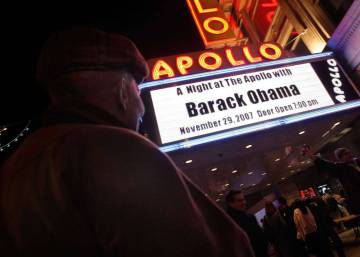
269, 70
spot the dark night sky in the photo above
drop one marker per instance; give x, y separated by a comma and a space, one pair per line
159, 28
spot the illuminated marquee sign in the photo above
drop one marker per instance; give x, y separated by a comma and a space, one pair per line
180, 65
264, 15
212, 106
211, 22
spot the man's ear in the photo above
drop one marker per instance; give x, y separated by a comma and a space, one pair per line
123, 94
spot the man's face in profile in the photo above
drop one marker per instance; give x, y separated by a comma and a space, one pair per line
347, 156
133, 104
139, 108
239, 202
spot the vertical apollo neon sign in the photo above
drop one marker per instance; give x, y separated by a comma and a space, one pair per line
211, 22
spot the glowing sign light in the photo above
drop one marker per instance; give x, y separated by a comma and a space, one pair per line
264, 15
162, 68
231, 59
265, 53
171, 66
249, 57
206, 65
183, 63
211, 22
208, 106
222, 103
224, 23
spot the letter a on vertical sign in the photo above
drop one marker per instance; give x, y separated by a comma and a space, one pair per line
211, 22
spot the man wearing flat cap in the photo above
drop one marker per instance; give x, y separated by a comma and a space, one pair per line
86, 184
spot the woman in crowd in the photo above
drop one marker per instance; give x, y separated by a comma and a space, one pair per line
278, 232
307, 230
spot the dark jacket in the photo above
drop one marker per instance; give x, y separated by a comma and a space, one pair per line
279, 234
88, 188
256, 234
348, 176
287, 213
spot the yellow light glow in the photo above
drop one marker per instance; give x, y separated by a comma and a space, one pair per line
264, 51
215, 56
197, 22
201, 30
249, 57
202, 10
161, 68
183, 63
231, 59
225, 25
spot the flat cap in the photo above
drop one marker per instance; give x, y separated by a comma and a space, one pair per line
89, 49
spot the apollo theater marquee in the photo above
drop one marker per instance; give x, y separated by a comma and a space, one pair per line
205, 96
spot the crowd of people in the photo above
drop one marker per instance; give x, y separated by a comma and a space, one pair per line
305, 227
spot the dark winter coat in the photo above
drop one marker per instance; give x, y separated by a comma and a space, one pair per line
83, 187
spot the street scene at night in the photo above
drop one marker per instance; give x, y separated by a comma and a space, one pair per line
217, 128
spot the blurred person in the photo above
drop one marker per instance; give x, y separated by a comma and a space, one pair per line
236, 205
336, 202
343, 199
328, 194
287, 213
334, 208
277, 231
307, 230
347, 170
86, 184
326, 225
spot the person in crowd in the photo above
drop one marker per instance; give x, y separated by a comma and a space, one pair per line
347, 170
287, 213
343, 201
278, 232
326, 225
236, 206
334, 208
307, 230
336, 202
87, 184
330, 194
